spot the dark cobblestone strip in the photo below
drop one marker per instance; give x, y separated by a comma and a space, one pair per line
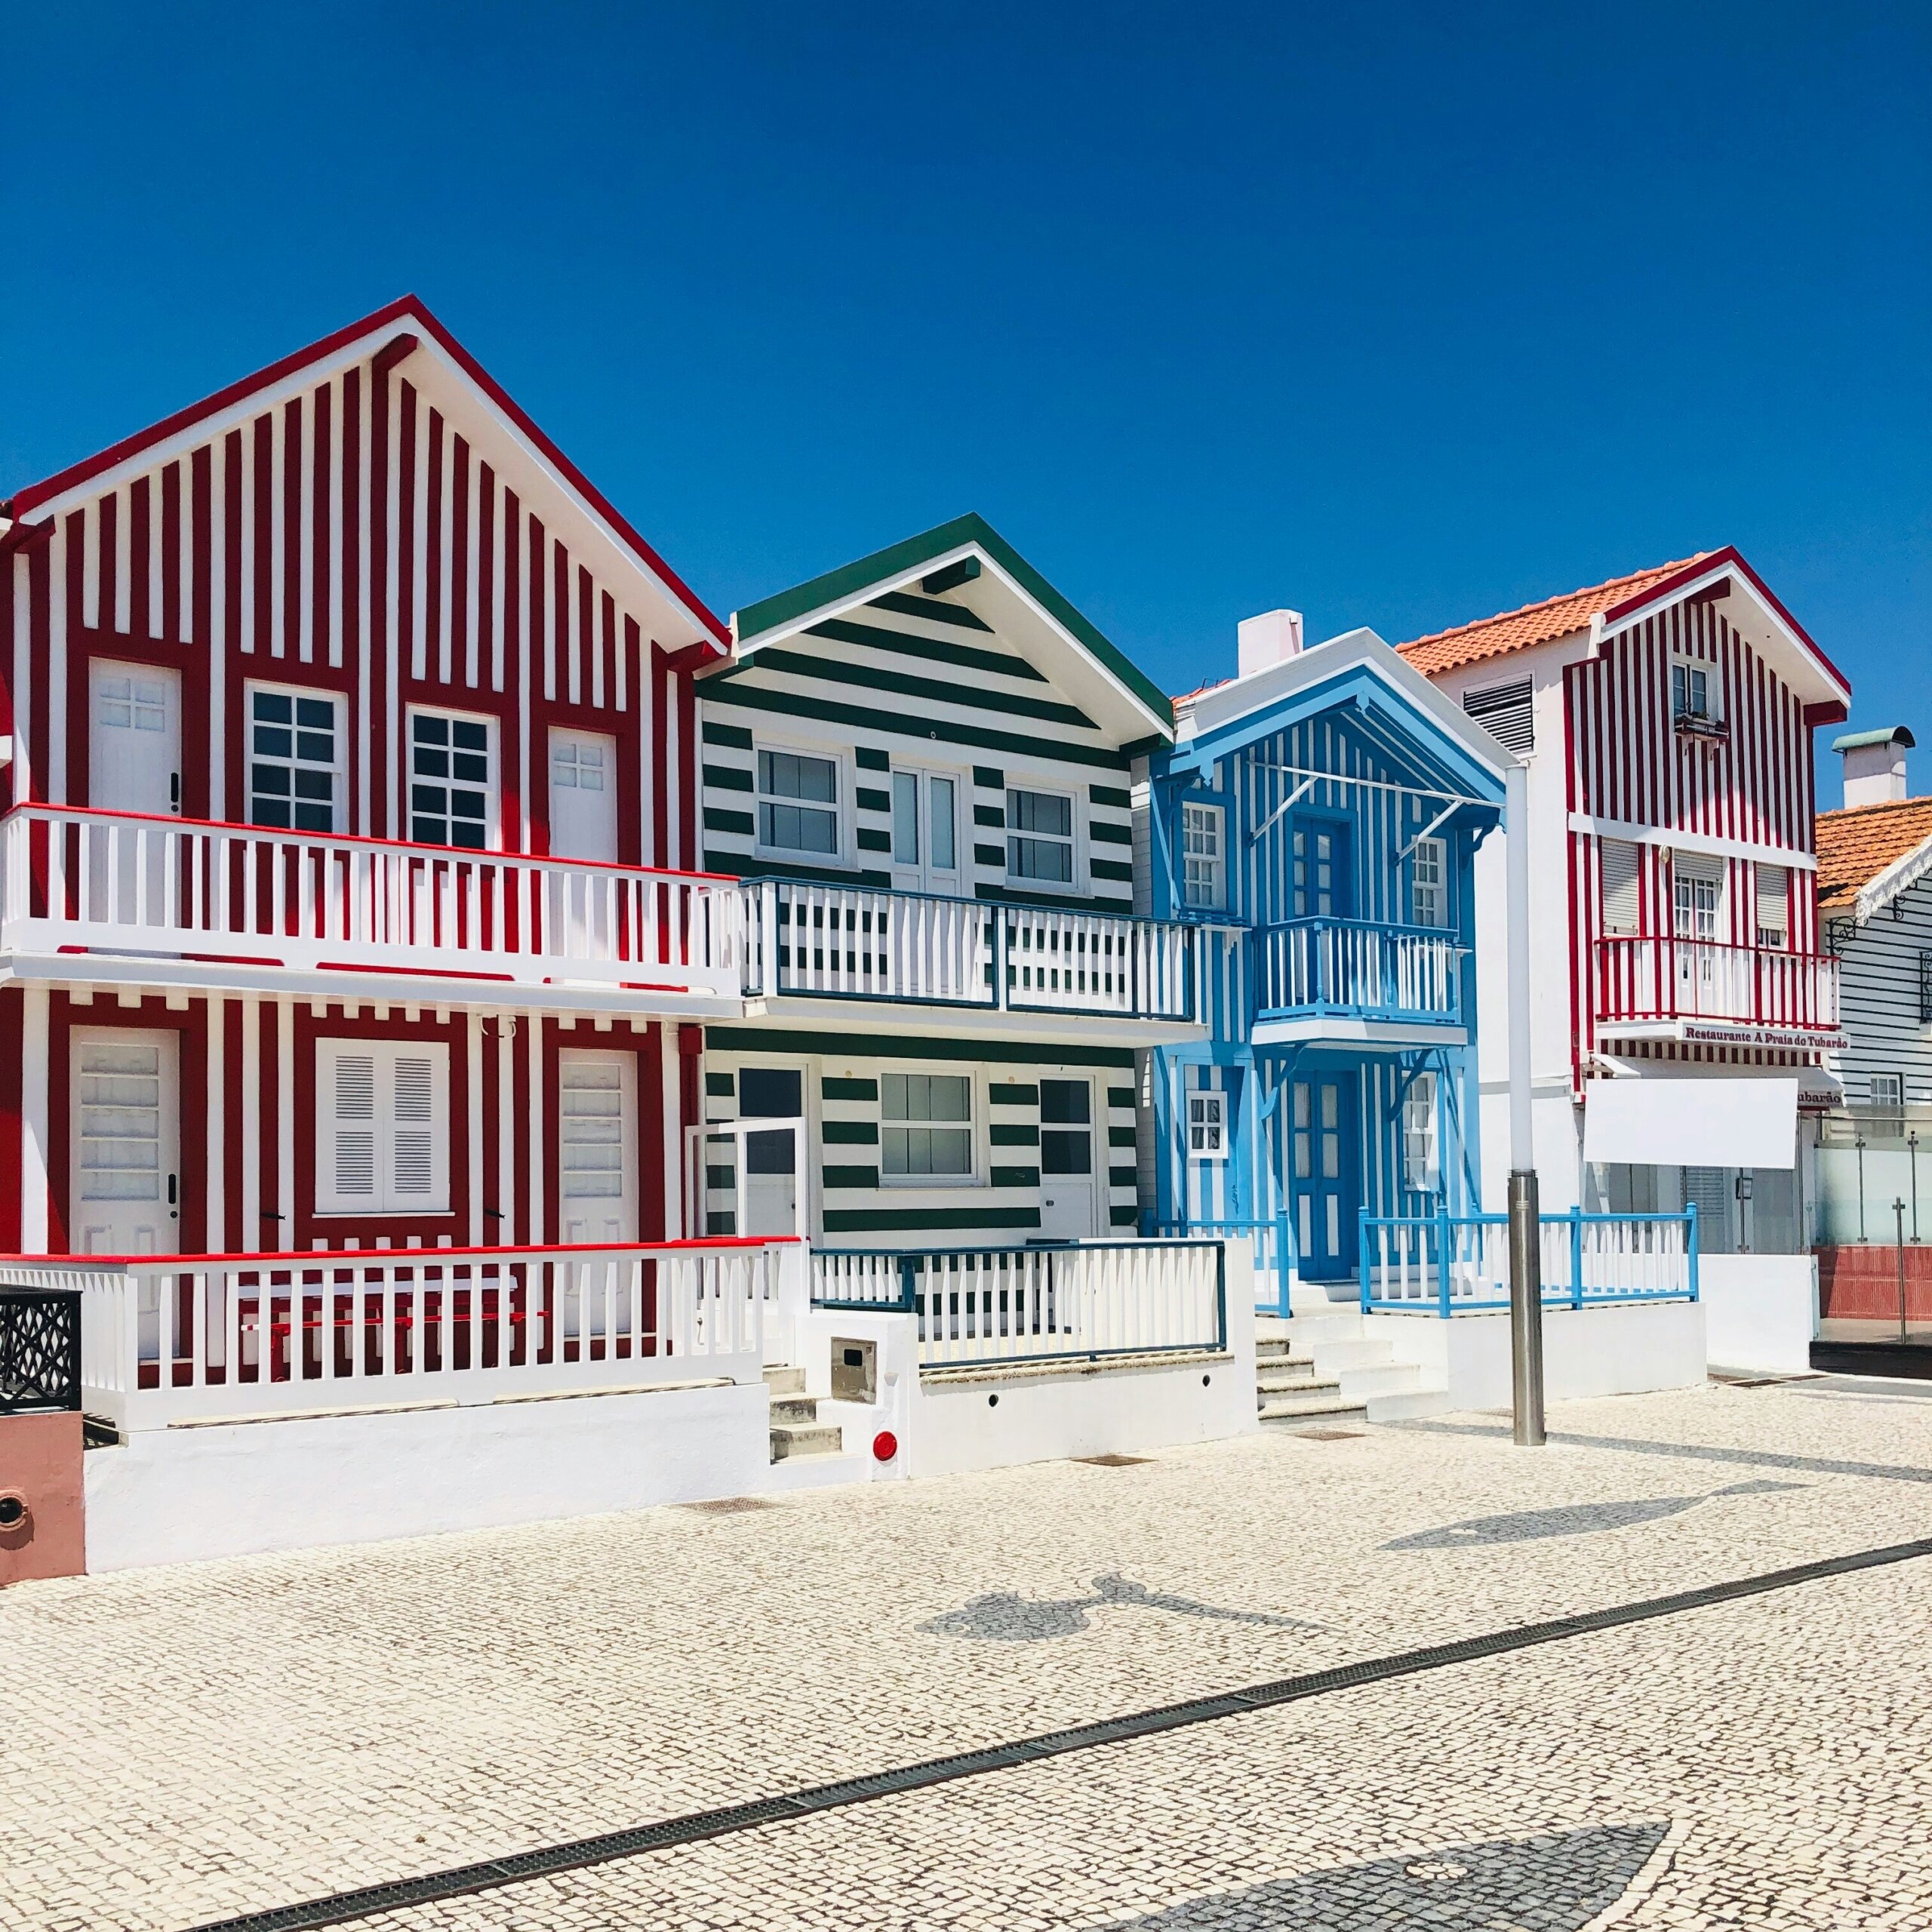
366, 1901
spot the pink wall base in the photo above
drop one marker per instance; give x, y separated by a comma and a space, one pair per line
40, 1462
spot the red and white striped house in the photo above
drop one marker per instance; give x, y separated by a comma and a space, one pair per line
1667, 719
350, 736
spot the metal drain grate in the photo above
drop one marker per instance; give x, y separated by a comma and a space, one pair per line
731, 1505
1113, 1462
342, 1908
1331, 1434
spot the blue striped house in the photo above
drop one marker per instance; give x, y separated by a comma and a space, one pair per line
1331, 803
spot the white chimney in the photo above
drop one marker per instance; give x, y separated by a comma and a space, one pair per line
1271, 638
1874, 765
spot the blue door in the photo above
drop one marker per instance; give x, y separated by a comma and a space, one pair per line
1323, 1174
1321, 876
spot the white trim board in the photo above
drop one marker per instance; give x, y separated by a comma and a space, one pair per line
1692, 841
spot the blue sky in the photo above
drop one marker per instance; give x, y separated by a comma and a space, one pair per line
1399, 315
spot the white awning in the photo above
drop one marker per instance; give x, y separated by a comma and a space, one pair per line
1693, 1123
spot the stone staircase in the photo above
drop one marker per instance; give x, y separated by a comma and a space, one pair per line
796, 1431
1318, 1362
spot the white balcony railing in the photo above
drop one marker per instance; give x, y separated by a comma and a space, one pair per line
841, 941
72, 879
1360, 967
1036, 1304
1663, 979
173, 1338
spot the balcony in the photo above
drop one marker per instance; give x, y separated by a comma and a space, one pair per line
992, 965
1657, 987
187, 902
1356, 979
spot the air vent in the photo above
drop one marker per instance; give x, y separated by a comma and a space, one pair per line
1504, 712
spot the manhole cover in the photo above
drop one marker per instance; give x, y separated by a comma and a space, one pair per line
1113, 1462
1330, 1435
731, 1505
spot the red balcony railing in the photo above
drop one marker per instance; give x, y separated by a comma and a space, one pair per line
1665, 979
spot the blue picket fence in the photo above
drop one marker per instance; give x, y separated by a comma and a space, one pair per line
1274, 1256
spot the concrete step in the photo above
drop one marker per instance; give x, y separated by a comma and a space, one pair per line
1353, 1351
790, 1441
785, 1381
1310, 1329
1404, 1403
1318, 1401
1284, 1374
795, 1408
1274, 1348
1384, 1379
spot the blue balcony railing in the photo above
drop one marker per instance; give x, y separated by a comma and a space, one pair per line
1362, 968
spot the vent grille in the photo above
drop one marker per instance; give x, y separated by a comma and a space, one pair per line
1504, 711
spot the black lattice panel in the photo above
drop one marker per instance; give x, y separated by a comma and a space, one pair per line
40, 1348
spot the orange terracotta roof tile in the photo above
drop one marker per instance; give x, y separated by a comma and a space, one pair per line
1855, 846
1534, 623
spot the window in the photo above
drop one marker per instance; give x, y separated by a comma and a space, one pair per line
1698, 888
383, 1138
1421, 1169
1619, 886
1774, 905
927, 1129
925, 821
797, 803
1690, 690
294, 759
1207, 1126
1066, 1126
451, 790
1428, 883
1506, 712
1887, 1091
132, 703
1039, 841
1203, 875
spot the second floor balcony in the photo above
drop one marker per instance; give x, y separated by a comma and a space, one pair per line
1656, 984
189, 902
1317, 977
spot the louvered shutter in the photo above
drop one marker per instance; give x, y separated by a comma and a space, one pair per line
1619, 886
351, 1178
383, 1136
413, 1179
1774, 905
1506, 713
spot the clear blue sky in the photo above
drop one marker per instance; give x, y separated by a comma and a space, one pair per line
1400, 315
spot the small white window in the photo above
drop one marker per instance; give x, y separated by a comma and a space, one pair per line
926, 1129
1207, 1126
1428, 882
797, 803
1421, 1169
1619, 886
132, 703
1692, 688
452, 780
1203, 848
1774, 906
1507, 712
1039, 837
382, 1127
295, 759
1887, 1091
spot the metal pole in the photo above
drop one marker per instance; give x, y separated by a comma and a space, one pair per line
1898, 1213
1526, 1384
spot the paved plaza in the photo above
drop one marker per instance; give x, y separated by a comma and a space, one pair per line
185, 1744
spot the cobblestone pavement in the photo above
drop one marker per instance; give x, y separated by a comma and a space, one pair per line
178, 1744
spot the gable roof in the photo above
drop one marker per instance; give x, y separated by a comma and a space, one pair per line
1869, 854
1533, 623
1016, 584
398, 328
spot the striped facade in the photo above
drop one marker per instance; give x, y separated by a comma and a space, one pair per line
372, 523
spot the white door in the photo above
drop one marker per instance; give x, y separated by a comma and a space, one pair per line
925, 830
1069, 1180
597, 1168
133, 765
1697, 890
125, 1185
772, 1154
583, 796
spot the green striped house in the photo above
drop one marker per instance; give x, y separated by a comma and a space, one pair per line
927, 762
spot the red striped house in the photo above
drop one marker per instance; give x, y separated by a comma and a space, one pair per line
1667, 718
348, 804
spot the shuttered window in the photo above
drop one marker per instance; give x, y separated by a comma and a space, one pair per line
1619, 886
1774, 905
382, 1141
1504, 712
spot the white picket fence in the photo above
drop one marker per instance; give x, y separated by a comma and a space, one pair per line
1037, 1304
183, 1338
1361, 966
74, 878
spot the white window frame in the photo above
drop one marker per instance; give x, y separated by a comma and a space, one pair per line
1207, 1124
1761, 871
492, 788
1691, 669
1204, 872
975, 1112
1435, 852
338, 769
840, 807
1074, 841
922, 776
427, 1122
1421, 1152
1694, 868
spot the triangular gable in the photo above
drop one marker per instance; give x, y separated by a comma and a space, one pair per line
969, 566
1411, 721
405, 336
